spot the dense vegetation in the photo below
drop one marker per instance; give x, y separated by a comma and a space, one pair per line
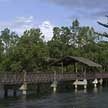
30, 52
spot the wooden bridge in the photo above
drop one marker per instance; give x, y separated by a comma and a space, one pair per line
81, 75
34, 78
15, 80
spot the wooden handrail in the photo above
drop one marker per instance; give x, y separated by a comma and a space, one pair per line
18, 78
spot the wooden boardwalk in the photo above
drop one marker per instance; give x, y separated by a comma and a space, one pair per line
34, 78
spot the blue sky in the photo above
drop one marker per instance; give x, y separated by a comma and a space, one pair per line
19, 15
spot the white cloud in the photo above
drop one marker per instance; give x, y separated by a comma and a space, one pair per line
20, 24
24, 19
47, 29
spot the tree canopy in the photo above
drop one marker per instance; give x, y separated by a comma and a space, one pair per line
30, 52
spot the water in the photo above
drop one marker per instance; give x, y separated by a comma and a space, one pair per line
69, 99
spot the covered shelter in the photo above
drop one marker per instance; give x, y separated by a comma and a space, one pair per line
72, 60
78, 62
80, 68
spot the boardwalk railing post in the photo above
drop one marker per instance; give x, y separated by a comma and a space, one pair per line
54, 84
85, 80
24, 86
101, 80
76, 70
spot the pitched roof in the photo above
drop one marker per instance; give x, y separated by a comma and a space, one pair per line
72, 59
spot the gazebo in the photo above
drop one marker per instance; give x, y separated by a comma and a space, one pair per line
76, 61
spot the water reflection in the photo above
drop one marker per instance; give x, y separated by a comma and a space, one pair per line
95, 89
85, 90
85, 98
100, 88
24, 101
81, 91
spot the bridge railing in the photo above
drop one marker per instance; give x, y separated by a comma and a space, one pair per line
11, 78
18, 78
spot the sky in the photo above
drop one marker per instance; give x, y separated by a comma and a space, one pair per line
19, 15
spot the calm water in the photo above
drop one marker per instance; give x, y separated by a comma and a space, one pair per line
70, 99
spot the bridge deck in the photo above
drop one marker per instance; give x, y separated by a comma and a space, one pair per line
47, 77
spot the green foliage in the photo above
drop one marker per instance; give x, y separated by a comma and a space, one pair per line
29, 52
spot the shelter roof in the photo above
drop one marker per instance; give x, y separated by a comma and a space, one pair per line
72, 60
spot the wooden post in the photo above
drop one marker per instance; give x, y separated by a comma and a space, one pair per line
24, 86
55, 81
84, 72
85, 84
62, 70
85, 80
54, 84
76, 70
